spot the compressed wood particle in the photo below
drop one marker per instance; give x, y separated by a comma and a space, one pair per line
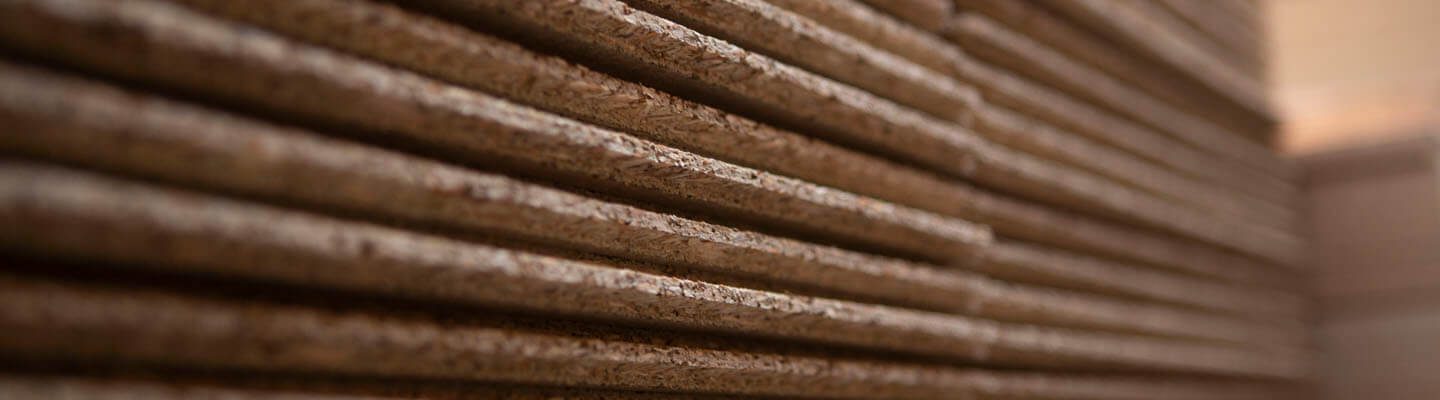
611, 33
932, 52
879, 30
476, 60
758, 26
1031, 222
649, 199
61, 212
1014, 217
784, 36
480, 61
203, 55
112, 130
89, 388
144, 326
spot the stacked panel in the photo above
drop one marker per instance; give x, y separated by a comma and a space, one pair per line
622, 199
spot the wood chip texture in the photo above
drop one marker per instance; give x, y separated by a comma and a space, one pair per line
643, 199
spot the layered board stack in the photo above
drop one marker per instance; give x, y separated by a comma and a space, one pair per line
1065, 199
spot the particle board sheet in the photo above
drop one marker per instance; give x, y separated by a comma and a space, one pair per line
147, 387
597, 199
791, 38
1051, 105
1013, 218
487, 63
1171, 18
86, 121
1024, 262
178, 385
306, 82
604, 32
303, 71
190, 331
1120, 21
1034, 136
1006, 47
1046, 26
1002, 88
98, 218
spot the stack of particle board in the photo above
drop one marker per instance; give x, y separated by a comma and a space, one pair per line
642, 198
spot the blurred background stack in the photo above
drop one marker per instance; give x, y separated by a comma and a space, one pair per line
1048, 199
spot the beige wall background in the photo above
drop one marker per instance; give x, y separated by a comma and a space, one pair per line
1346, 71
1358, 83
